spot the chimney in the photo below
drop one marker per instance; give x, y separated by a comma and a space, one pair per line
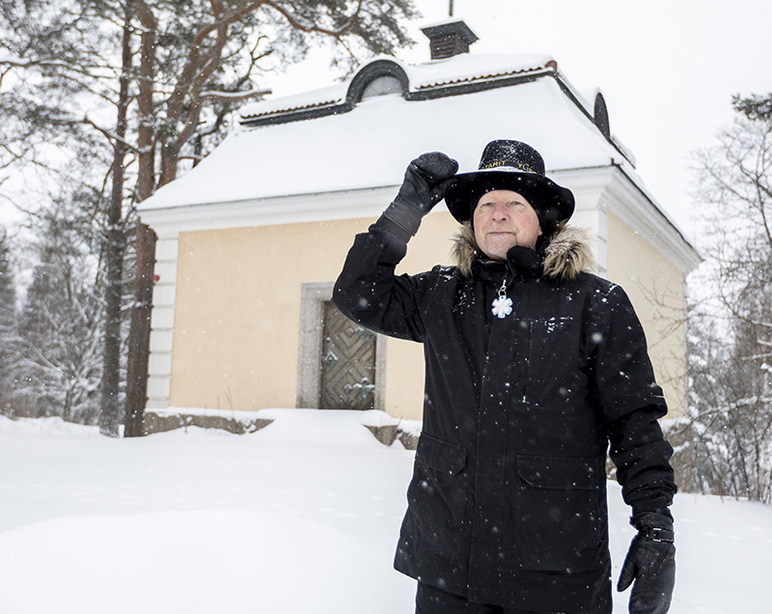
449, 38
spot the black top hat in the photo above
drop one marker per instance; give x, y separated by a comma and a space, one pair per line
516, 166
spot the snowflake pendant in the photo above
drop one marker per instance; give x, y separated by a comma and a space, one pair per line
501, 306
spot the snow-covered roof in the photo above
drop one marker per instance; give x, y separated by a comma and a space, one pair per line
454, 105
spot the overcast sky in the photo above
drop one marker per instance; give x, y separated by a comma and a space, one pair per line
667, 68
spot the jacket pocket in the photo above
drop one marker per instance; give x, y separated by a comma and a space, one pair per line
559, 514
437, 497
552, 363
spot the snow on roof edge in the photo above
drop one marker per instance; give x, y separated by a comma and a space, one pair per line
460, 69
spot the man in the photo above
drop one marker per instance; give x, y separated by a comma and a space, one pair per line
533, 367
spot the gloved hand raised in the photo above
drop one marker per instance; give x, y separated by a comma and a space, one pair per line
425, 180
650, 564
424, 186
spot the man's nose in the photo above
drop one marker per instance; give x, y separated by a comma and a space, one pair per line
500, 212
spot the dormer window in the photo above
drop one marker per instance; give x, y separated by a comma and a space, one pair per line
601, 115
379, 78
381, 86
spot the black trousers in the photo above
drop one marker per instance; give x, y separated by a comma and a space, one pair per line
431, 600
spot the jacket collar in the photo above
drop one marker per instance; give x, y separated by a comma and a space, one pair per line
564, 257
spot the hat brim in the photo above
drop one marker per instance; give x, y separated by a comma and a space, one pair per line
552, 202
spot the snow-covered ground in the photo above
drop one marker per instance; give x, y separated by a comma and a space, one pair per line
301, 516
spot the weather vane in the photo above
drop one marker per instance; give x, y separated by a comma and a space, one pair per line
450, 9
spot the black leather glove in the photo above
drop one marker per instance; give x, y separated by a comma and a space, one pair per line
424, 186
650, 564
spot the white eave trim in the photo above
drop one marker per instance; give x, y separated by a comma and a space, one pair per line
312, 207
623, 197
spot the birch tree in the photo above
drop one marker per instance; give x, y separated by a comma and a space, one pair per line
730, 431
59, 361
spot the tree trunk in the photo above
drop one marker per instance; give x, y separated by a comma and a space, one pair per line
110, 414
139, 334
139, 339
145, 143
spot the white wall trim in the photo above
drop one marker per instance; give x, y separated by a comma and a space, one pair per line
162, 322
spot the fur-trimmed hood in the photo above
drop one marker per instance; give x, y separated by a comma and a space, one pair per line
566, 255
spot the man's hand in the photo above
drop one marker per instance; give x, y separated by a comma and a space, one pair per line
426, 180
650, 565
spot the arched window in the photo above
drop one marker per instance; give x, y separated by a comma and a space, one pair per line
378, 78
380, 86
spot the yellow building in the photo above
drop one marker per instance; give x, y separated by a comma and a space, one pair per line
251, 240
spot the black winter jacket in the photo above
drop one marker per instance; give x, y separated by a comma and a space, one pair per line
507, 504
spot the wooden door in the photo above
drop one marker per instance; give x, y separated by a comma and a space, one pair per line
348, 363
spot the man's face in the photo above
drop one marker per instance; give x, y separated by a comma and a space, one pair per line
503, 219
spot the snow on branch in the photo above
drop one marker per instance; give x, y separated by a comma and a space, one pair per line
312, 28
223, 95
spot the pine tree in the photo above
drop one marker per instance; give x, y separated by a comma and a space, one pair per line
7, 324
754, 107
173, 70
